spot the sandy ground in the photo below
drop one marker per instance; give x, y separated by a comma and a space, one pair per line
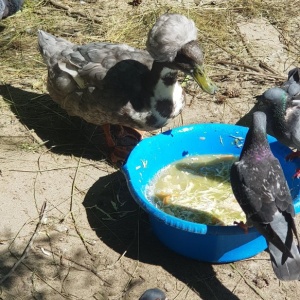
93, 241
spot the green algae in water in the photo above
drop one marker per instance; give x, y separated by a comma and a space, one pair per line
197, 189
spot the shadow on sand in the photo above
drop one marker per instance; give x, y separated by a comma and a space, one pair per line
59, 132
127, 228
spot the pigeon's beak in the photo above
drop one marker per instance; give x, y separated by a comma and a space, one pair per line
203, 80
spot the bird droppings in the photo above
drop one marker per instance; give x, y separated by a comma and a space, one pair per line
237, 141
185, 129
221, 140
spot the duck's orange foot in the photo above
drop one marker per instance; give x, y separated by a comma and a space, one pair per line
242, 225
292, 155
120, 141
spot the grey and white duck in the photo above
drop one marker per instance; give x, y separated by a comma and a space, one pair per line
117, 85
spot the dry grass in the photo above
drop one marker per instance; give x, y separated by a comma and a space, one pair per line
217, 24
22, 66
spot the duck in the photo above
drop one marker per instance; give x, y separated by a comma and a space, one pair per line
9, 7
123, 89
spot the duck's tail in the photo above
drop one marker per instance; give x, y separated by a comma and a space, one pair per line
9, 7
52, 47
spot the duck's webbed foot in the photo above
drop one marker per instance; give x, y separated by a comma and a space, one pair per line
120, 140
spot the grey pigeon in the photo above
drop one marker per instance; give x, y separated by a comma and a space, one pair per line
260, 187
283, 110
106, 83
283, 114
9, 7
153, 294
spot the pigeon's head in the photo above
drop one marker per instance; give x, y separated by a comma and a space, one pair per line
276, 98
173, 41
153, 294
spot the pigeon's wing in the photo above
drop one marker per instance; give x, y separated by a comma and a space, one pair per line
293, 124
252, 190
263, 193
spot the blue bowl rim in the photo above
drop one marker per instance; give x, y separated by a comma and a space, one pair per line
189, 226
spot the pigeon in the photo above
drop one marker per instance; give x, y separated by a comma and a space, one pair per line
283, 113
9, 7
260, 187
105, 83
283, 116
153, 294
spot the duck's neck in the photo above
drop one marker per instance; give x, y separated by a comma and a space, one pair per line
167, 97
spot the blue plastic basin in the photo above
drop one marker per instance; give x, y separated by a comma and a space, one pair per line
215, 244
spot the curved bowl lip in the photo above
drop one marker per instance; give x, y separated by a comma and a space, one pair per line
189, 226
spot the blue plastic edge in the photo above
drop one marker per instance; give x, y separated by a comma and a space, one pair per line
135, 162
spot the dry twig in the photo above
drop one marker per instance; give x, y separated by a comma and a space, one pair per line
25, 252
71, 209
71, 11
248, 282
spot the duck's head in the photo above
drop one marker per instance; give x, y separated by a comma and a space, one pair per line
173, 40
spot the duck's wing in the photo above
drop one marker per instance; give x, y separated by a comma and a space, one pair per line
95, 61
100, 82
91, 61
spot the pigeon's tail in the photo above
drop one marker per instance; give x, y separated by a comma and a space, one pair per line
52, 47
9, 7
285, 267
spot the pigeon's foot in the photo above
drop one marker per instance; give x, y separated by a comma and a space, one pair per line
297, 174
292, 155
242, 225
120, 141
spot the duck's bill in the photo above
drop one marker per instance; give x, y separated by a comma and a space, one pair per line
203, 80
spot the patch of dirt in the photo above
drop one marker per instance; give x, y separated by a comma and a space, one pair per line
94, 242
